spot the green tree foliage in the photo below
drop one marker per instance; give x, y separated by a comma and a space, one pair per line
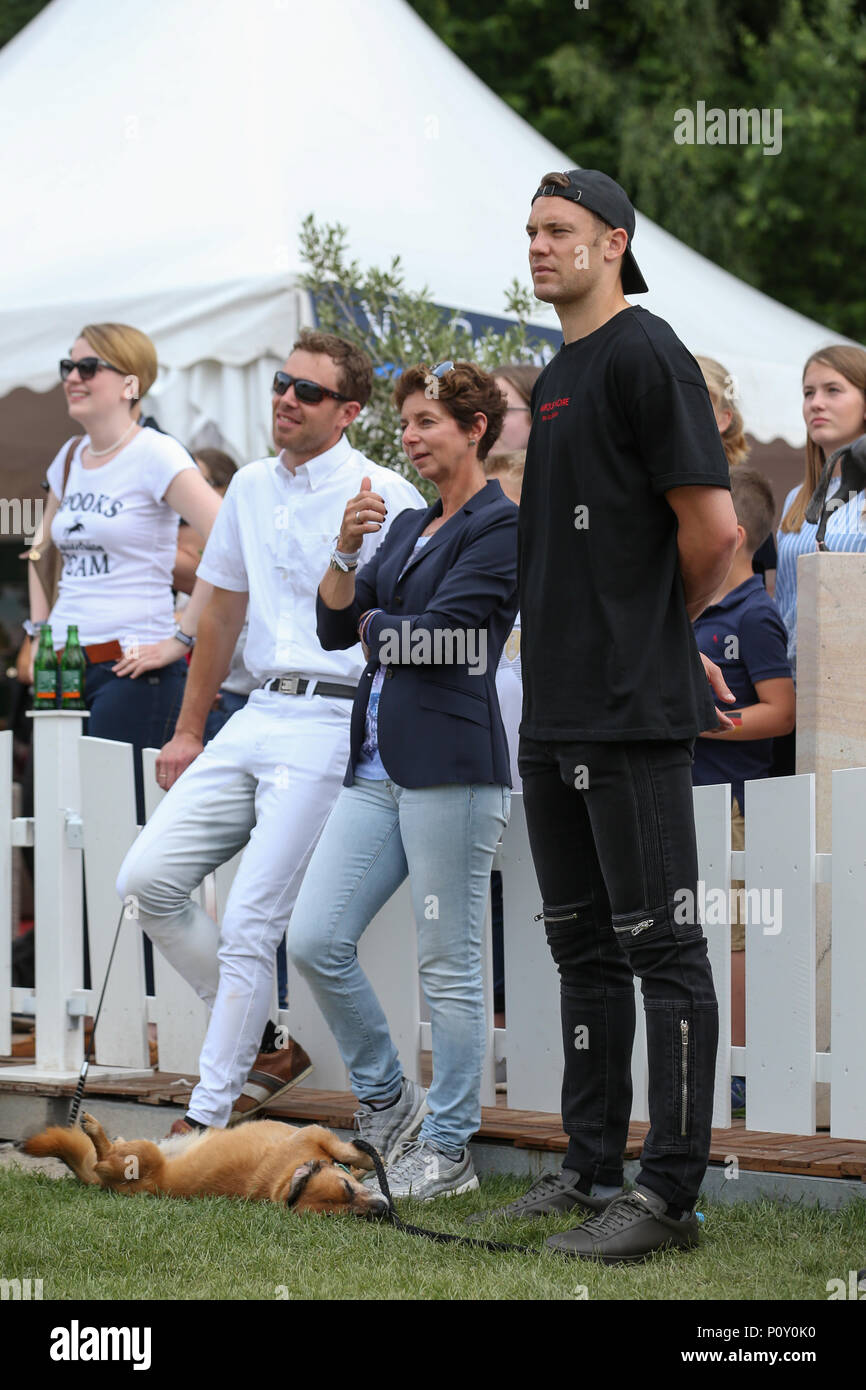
399, 327
604, 82
804, 219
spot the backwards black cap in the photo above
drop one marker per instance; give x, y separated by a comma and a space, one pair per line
602, 195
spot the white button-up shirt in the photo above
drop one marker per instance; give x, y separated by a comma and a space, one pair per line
273, 537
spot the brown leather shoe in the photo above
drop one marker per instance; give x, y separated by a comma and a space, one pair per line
272, 1074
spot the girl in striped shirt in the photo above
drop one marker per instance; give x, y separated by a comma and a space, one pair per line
834, 408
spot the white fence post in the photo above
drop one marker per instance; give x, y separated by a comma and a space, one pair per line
108, 812
58, 889
488, 1070
780, 955
181, 1018
388, 954
713, 827
848, 974
639, 1063
305, 1022
532, 1015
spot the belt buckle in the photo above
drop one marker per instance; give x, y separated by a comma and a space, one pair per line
289, 685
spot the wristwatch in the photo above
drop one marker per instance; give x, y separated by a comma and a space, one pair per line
183, 637
32, 629
342, 562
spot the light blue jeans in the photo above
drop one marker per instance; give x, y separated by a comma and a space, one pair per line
444, 838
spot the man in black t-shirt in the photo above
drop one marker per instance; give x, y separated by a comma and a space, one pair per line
626, 532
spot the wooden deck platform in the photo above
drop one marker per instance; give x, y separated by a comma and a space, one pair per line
814, 1156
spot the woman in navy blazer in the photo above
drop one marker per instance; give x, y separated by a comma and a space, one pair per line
426, 792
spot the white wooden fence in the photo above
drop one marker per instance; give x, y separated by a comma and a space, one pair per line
85, 819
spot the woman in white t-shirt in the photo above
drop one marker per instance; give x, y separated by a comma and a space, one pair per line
115, 524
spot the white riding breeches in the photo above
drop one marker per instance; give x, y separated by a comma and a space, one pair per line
268, 781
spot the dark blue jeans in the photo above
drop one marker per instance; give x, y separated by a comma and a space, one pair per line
229, 704
611, 827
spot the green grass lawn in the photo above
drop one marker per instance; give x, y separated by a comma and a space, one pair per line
88, 1244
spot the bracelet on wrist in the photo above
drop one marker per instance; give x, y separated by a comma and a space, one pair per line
183, 637
343, 562
32, 629
365, 623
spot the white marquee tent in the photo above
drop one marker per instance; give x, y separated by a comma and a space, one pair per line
158, 161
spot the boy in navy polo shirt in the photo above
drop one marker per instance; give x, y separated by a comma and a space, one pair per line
742, 631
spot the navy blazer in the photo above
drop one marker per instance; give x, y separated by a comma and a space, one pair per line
439, 719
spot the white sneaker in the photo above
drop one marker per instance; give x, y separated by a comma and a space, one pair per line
422, 1171
388, 1130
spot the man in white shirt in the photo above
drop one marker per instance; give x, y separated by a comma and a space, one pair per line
269, 778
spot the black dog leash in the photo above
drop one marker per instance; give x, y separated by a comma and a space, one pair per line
443, 1237
89, 1054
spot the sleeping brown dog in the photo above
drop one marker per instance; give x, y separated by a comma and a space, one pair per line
263, 1160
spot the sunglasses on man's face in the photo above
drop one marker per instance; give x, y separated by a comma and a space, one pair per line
87, 367
310, 392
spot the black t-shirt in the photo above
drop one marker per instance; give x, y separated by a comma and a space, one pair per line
608, 651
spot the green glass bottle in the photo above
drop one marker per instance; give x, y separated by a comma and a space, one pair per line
72, 669
45, 672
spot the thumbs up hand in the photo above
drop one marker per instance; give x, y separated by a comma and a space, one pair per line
365, 513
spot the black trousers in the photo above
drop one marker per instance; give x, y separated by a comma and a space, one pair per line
612, 832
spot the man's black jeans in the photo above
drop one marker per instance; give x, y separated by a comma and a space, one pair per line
612, 832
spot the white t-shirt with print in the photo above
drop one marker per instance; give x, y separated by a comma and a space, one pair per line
118, 540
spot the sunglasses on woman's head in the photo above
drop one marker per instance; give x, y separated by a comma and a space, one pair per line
87, 367
310, 392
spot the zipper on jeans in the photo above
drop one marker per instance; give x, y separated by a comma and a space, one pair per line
544, 916
684, 1065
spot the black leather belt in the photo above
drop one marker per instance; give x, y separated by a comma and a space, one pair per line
297, 685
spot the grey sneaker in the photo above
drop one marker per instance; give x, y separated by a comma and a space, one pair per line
388, 1130
552, 1194
423, 1172
632, 1228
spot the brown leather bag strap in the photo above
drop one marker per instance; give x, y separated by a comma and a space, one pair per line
47, 566
67, 462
